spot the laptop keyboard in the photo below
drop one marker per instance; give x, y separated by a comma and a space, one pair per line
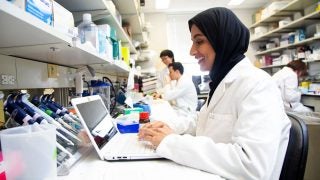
131, 145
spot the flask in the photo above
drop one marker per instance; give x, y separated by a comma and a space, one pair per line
88, 31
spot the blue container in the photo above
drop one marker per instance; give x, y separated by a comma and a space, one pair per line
145, 107
132, 127
291, 38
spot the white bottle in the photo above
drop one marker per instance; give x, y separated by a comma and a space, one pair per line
88, 32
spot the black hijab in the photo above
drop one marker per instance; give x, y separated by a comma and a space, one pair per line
228, 37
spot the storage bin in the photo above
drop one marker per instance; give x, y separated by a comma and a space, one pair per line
29, 152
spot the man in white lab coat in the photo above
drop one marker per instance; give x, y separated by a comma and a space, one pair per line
287, 81
183, 95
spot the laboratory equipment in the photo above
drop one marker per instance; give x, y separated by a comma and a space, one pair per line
83, 71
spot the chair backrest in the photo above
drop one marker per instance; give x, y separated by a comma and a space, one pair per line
296, 156
201, 102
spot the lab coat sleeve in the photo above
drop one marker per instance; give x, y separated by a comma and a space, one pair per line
256, 136
180, 121
163, 78
184, 123
175, 92
291, 92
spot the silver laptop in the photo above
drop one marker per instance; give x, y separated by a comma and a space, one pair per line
104, 136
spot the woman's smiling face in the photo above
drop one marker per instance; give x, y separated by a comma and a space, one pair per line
201, 49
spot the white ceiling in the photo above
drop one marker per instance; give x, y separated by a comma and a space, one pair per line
178, 6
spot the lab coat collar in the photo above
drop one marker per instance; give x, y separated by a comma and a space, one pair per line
230, 77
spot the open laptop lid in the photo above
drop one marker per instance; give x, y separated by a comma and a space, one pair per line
96, 121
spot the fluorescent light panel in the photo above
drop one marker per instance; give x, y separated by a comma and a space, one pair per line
162, 4
235, 2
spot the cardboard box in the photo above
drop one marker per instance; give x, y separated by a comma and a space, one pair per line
62, 19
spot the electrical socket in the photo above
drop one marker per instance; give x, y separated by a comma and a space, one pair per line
7, 79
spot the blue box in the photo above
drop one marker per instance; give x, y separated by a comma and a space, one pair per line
145, 107
42, 9
128, 127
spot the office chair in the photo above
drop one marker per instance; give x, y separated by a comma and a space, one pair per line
296, 156
196, 81
201, 102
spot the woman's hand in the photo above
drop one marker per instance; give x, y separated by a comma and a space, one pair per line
154, 132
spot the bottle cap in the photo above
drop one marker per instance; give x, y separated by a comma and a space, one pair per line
86, 17
144, 115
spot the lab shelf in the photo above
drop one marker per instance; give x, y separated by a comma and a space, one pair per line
99, 10
289, 9
279, 49
300, 23
122, 68
281, 65
130, 11
19, 28
23, 35
272, 66
311, 17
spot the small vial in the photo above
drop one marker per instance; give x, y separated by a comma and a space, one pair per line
144, 117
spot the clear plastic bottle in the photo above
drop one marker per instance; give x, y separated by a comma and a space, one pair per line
88, 31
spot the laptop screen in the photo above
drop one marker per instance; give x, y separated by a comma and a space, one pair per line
95, 115
92, 113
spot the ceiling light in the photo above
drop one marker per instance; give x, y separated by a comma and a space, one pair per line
162, 4
235, 2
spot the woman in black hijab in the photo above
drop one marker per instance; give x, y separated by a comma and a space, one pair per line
242, 132
228, 37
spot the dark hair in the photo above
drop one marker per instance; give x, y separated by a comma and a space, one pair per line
168, 53
298, 65
176, 66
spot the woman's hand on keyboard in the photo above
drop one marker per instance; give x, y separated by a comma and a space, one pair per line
154, 132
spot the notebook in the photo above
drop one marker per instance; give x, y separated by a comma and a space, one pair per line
104, 136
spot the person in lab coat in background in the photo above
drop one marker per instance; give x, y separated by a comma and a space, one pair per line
183, 95
287, 80
164, 81
242, 131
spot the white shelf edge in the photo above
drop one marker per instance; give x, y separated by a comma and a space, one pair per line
18, 14
67, 55
286, 26
290, 4
279, 65
288, 46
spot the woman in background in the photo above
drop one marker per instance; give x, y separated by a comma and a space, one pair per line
167, 57
287, 81
242, 131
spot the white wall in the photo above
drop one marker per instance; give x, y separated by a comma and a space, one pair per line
170, 31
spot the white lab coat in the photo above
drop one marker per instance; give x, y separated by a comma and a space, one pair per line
183, 94
287, 81
163, 79
242, 134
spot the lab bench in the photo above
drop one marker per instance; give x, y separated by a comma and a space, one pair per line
311, 100
91, 167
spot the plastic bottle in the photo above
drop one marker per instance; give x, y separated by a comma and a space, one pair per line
88, 31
